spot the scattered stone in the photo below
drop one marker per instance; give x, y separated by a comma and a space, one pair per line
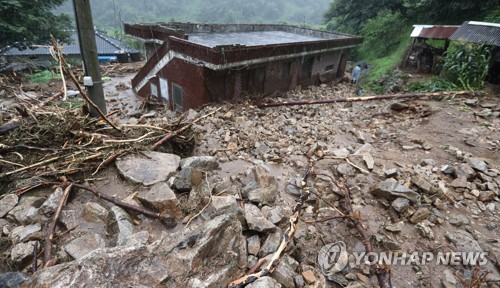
309, 277
264, 195
22, 233
71, 218
148, 167
390, 188
162, 199
477, 164
265, 282
274, 214
486, 196
120, 226
400, 204
464, 170
396, 227
425, 230
256, 220
138, 239
26, 210
449, 280
428, 162
22, 253
292, 189
12, 279
464, 242
284, 274
421, 214
459, 220
460, 182
271, 244
393, 172
471, 102
422, 183
7, 203
409, 147
368, 158
50, 205
447, 169
399, 106
299, 281
253, 245
93, 212
84, 245
342, 153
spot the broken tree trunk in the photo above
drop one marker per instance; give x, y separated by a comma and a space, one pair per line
357, 99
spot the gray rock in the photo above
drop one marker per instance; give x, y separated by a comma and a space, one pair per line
460, 182
262, 177
3, 223
71, 218
265, 282
26, 210
368, 158
204, 163
184, 179
120, 226
345, 169
425, 230
253, 244
50, 205
256, 220
82, 246
396, 227
299, 281
486, 196
223, 205
7, 203
217, 244
292, 189
464, 242
459, 220
449, 279
422, 183
477, 164
22, 233
391, 189
21, 253
138, 239
421, 214
12, 279
148, 167
399, 106
274, 214
392, 172
162, 199
400, 204
464, 170
343, 153
271, 244
94, 212
284, 274
264, 195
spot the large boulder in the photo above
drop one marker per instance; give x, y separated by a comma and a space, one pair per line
391, 189
218, 245
148, 167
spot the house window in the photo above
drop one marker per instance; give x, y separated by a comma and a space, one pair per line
154, 90
285, 69
178, 97
329, 68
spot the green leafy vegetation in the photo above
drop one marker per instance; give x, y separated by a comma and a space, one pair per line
42, 77
27, 22
466, 65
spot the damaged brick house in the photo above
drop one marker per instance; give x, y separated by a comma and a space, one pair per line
193, 64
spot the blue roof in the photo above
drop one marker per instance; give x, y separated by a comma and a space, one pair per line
106, 45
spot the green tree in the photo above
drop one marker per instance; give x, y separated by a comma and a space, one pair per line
449, 12
27, 22
381, 34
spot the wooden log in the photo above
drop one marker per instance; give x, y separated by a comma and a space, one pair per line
358, 99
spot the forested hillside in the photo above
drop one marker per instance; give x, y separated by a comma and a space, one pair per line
110, 13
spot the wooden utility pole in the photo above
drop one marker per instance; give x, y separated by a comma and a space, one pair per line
88, 48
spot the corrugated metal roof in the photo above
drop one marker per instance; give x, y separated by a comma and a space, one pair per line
106, 45
478, 32
433, 31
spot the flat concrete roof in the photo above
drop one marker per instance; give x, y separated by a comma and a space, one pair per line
254, 38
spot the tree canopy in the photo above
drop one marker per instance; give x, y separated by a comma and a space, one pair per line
27, 22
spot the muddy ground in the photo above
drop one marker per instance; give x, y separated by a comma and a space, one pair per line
425, 145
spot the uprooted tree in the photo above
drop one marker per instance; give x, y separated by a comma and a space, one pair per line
27, 22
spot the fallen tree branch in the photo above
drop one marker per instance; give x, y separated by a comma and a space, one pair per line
82, 93
383, 273
52, 227
288, 237
357, 99
176, 132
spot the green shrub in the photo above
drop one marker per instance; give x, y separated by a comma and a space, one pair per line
436, 84
42, 77
466, 65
